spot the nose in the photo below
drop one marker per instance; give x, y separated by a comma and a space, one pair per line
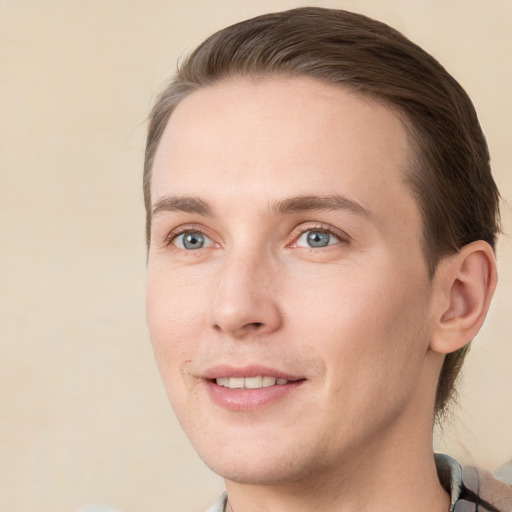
245, 300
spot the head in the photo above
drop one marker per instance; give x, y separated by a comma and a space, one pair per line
448, 173
336, 182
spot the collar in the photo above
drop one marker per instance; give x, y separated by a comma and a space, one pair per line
220, 504
449, 472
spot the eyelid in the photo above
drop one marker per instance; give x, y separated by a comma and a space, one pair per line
296, 233
189, 228
318, 226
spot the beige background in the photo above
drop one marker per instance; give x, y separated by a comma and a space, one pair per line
83, 416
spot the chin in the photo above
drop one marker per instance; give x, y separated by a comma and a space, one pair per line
255, 462
275, 472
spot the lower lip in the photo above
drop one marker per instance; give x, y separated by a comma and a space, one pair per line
249, 399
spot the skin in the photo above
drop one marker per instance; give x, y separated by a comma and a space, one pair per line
356, 320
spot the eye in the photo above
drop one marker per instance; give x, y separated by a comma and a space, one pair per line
191, 240
316, 238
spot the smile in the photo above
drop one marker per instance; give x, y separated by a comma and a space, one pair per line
250, 382
249, 388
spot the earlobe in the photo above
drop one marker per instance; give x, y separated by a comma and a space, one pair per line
464, 285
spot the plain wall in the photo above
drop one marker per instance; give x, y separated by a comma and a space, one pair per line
83, 415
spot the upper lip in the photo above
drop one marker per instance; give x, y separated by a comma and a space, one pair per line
226, 371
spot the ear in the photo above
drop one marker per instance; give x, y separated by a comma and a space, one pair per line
463, 287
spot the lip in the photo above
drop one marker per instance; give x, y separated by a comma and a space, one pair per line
248, 399
223, 371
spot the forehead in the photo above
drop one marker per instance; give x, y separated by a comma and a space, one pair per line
283, 136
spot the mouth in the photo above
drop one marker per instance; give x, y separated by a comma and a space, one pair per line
249, 388
250, 382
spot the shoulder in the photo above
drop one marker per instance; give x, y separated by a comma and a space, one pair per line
473, 489
482, 483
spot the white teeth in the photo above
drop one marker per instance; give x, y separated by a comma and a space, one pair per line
254, 382
249, 382
236, 382
268, 381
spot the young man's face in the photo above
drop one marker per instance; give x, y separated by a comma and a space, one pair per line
286, 258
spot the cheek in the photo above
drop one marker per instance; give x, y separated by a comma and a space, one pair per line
174, 315
365, 325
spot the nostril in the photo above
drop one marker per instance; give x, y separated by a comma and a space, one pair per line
248, 327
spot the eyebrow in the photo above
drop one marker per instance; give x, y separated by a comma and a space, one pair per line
297, 204
182, 204
318, 203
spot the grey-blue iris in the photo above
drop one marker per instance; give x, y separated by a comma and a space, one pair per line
193, 240
318, 238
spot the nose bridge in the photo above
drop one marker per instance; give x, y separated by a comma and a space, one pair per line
244, 300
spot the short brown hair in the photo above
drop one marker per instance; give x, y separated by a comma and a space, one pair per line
450, 176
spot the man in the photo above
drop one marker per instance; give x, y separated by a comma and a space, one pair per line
321, 220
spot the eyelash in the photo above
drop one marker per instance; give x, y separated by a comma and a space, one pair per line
171, 237
296, 234
319, 227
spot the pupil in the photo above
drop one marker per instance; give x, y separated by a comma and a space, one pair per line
193, 241
318, 239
